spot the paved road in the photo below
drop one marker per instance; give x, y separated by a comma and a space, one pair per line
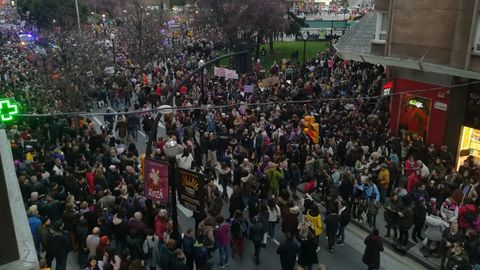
346, 257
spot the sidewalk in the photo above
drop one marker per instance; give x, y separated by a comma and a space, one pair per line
413, 249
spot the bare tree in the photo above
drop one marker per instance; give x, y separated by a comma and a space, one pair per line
141, 32
250, 20
71, 67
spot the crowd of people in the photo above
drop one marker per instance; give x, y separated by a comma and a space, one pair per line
83, 188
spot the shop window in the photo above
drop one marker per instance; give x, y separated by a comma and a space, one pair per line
476, 42
414, 115
472, 111
469, 146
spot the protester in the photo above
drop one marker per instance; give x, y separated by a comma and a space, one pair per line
287, 251
374, 245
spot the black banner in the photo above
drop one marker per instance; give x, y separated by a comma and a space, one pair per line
190, 190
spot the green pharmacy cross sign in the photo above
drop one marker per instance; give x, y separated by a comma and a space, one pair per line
7, 110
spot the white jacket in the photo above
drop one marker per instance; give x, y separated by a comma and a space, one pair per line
274, 214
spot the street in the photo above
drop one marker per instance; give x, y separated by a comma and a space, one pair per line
346, 257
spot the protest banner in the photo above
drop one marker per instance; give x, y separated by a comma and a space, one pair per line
156, 180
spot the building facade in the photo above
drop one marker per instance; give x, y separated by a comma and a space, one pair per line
431, 49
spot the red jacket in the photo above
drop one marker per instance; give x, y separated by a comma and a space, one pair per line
463, 222
309, 185
412, 181
160, 227
409, 167
91, 182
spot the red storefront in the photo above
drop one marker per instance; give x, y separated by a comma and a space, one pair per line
418, 108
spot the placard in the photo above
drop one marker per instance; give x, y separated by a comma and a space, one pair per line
156, 180
248, 88
190, 189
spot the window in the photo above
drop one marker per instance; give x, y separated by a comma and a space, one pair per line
476, 42
381, 28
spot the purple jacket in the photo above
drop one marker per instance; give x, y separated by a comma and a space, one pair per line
221, 234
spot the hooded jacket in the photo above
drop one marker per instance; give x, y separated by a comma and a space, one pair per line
463, 222
435, 227
316, 222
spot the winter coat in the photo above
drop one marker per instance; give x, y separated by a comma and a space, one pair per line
256, 232
308, 252
371, 256
435, 227
34, 222
166, 257
121, 127
419, 213
405, 219
457, 261
215, 207
200, 255
148, 250
412, 181
221, 234
384, 178
290, 224
288, 253
463, 212
274, 178
391, 207
160, 226
345, 216
236, 202
449, 212
187, 244
57, 244
316, 222
331, 224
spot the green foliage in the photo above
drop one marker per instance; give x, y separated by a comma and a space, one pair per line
44, 12
295, 25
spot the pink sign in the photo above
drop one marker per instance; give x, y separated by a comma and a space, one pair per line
220, 72
156, 180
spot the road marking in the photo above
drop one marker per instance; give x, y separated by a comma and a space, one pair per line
98, 121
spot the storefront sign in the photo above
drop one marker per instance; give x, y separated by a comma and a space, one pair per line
440, 105
387, 88
156, 180
190, 190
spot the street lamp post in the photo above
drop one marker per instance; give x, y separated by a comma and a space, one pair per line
201, 63
78, 16
112, 37
305, 37
172, 149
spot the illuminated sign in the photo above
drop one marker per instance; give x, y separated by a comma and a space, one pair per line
416, 103
387, 88
7, 110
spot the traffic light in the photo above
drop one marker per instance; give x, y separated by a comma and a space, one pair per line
311, 128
